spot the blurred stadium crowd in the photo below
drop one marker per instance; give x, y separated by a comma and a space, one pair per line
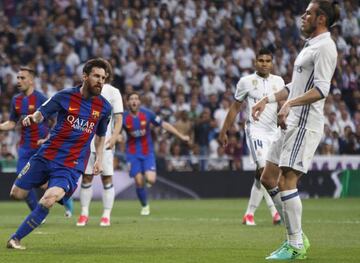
184, 57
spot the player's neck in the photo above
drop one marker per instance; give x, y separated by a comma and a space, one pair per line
318, 31
264, 76
29, 91
134, 113
84, 91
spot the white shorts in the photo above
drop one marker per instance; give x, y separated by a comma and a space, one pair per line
258, 147
107, 163
295, 148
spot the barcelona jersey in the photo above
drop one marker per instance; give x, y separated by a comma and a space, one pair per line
78, 119
137, 127
21, 106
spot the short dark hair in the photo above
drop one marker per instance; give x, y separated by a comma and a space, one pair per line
109, 72
132, 93
95, 63
330, 9
28, 69
264, 51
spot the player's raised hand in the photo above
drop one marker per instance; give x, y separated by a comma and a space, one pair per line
282, 115
28, 120
223, 138
258, 108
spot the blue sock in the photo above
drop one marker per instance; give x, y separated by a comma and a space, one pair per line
141, 193
31, 222
69, 205
31, 199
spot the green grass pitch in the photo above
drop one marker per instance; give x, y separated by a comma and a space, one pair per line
182, 231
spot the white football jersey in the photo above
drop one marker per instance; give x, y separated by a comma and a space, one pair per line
313, 68
113, 96
253, 88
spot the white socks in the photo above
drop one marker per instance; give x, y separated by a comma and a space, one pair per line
292, 217
269, 201
108, 199
256, 196
85, 198
275, 196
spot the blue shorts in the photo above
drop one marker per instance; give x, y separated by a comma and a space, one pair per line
140, 164
40, 170
24, 157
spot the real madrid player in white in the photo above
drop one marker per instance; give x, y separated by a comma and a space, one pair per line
259, 135
113, 96
302, 120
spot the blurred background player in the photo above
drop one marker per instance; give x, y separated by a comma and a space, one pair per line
113, 96
81, 113
259, 135
302, 120
24, 103
140, 154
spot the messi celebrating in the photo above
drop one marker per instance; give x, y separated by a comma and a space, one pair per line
81, 113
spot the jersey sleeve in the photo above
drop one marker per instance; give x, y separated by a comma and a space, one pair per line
324, 67
42, 98
13, 116
103, 123
51, 106
154, 119
117, 104
241, 90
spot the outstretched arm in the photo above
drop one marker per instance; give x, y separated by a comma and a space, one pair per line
167, 126
36, 117
259, 107
7, 125
229, 121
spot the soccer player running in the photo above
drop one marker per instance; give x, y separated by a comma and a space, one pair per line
60, 161
24, 103
139, 146
302, 120
113, 96
259, 135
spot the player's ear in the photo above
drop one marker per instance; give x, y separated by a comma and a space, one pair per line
322, 20
84, 76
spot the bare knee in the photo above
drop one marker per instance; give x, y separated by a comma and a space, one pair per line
87, 179
150, 177
106, 180
139, 180
270, 176
268, 180
51, 196
18, 193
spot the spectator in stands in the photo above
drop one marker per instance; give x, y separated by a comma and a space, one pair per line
172, 41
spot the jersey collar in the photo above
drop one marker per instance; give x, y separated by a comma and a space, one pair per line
312, 41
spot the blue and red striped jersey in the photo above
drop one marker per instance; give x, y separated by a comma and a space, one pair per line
78, 119
21, 106
137, 127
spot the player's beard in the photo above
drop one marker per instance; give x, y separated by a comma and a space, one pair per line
307, 32
94, 90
